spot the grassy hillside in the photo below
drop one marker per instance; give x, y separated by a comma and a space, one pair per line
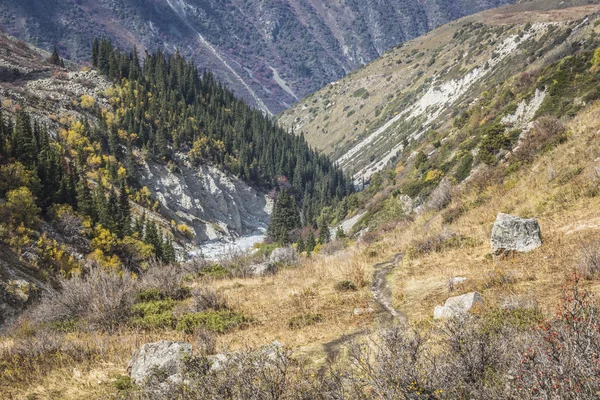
356, 317
366, 119
269, 52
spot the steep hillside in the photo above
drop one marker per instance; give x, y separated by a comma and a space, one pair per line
159, 163
270, 52
360, 316
366, 119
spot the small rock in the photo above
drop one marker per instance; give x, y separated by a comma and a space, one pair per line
362, 311
457, 305
512, 233
262, 269
283, 255
165, 355
218, 361
457, 280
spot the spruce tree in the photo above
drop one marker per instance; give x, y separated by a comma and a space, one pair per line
95, 51
324, 233
55, 58
310, 242
23, 140
285, 218
152, 238
124, 214
85, 202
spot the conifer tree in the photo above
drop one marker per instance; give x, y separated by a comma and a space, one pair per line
55, 58
300, 245
168, 251
124, 214
324, 233
310, 242
152, 238
23, 140
85, 202
95, 51
285, 218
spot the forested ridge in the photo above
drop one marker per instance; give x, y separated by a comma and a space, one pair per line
166, 105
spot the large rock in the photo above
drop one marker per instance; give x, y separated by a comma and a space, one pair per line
512, 233
457, 305
164, 356
262, 269
283, 255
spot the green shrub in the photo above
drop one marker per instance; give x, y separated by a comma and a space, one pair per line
163, 320
149, 295
215, 271
301, 321
123, 383
463, 170
216, 321
153, 307
345, 286
520, 318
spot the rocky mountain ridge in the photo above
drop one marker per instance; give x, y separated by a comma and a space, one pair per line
270, 52
366, 119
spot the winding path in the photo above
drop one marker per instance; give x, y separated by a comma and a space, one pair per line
382, 294
381, 290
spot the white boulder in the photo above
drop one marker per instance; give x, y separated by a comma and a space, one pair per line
511, 233
164, 356
457, 305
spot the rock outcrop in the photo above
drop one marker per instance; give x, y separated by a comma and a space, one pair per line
283, 255
457, 305
215, 205
262, 269
511, 233
164, 356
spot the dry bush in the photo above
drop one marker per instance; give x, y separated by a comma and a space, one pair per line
589, 263
206, 341
355, 272
167, 278
441, 196
430, 244
369, 237
546, 132
101, 298
35, 354
392, 365
207, 298
266, 373
333, 247
499, 277
563, 360
486, 176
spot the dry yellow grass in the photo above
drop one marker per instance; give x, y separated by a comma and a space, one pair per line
567, 215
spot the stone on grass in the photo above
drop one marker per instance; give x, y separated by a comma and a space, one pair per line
362, 311
511, 233
165, 357
283, 255
455, 306
262, 269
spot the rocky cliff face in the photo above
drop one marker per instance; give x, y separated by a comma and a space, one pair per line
366, 120
270, 52
218, 207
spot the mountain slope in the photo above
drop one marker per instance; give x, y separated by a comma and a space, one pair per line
270, 52
366, 119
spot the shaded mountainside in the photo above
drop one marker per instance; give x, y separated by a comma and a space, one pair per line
270, 52
416, 90
119, 173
